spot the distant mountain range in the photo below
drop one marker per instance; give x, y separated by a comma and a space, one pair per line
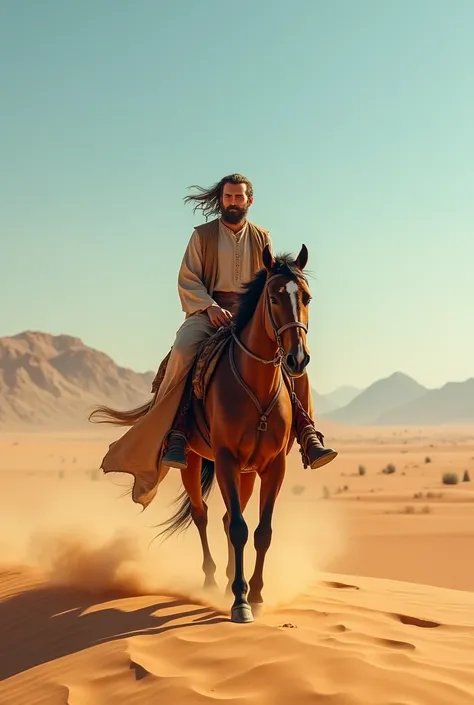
399, 400
53, 381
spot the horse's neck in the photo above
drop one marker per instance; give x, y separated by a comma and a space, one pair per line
263, 378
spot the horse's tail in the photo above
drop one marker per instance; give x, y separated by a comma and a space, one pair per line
182, 518
105, 414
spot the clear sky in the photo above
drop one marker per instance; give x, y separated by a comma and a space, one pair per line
353, 119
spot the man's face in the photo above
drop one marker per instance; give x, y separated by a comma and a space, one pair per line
235, 202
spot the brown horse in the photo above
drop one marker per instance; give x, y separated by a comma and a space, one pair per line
244, 425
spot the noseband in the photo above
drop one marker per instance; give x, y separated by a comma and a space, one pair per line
279, 357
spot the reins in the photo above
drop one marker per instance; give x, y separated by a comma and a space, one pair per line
277, 360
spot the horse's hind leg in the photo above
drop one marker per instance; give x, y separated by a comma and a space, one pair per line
247, 483
191, 477
272, 480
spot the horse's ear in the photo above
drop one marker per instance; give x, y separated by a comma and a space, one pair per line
267, 258
302, 259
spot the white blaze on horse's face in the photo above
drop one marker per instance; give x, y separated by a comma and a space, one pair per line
292, 289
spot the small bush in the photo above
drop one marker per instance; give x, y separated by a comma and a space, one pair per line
362, 470
465, 477
450, 478
298, 489
389, 469
427, 460
434, 495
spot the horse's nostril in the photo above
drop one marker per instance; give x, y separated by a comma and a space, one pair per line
290, 361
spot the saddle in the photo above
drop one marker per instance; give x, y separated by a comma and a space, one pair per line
207, 357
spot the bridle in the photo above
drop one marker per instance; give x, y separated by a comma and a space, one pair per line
278, 359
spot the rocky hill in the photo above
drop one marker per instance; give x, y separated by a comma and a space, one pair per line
48, 380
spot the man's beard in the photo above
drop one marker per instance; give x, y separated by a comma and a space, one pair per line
233, 214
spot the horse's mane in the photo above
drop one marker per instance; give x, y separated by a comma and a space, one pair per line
252, 291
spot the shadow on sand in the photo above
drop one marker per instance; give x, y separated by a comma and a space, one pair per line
46, 623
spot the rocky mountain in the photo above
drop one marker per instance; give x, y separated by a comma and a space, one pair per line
342, 396
48, 380
452, 403
378, 399
322, 404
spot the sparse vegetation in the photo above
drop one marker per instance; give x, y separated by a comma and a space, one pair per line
466, 477
326, 492
298, 489
389, 469
362, 470
410, 509
427, 459
450, 478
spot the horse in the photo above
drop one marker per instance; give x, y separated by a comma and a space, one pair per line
243, 426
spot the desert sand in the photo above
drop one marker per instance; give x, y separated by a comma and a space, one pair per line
369, 582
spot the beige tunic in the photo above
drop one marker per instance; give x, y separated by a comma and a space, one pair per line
234, 268
138, 449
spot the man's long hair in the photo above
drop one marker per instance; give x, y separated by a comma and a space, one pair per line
209, 200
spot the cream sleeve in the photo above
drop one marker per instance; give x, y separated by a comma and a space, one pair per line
193, 294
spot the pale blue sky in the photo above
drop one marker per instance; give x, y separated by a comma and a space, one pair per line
353, 119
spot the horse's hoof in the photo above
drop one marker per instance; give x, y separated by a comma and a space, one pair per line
241, 614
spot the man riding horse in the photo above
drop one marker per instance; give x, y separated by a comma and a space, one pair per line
221, 256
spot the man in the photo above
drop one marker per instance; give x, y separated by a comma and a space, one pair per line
221, 255
208, 297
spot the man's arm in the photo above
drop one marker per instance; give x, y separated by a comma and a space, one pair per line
193, 294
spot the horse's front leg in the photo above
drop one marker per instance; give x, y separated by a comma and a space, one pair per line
228, 478
247, 483
272, 480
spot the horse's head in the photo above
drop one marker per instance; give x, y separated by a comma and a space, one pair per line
287, 298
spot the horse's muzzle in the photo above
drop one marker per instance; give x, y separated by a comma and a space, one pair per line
296, 363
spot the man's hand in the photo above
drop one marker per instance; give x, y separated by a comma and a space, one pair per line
218, 316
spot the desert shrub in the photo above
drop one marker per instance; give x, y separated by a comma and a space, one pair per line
450, 478
298, 489
389, 469
326, 492
465, 477
362, 470
427, 460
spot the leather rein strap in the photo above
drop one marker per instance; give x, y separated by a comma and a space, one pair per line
277, 360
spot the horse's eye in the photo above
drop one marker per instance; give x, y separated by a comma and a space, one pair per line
273, 300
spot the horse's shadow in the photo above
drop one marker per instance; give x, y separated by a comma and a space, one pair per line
46, 623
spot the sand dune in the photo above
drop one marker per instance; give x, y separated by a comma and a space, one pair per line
345, 641
366, 602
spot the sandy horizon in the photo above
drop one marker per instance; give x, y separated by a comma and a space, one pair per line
369, 590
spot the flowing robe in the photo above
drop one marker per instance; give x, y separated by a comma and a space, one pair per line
216, 263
